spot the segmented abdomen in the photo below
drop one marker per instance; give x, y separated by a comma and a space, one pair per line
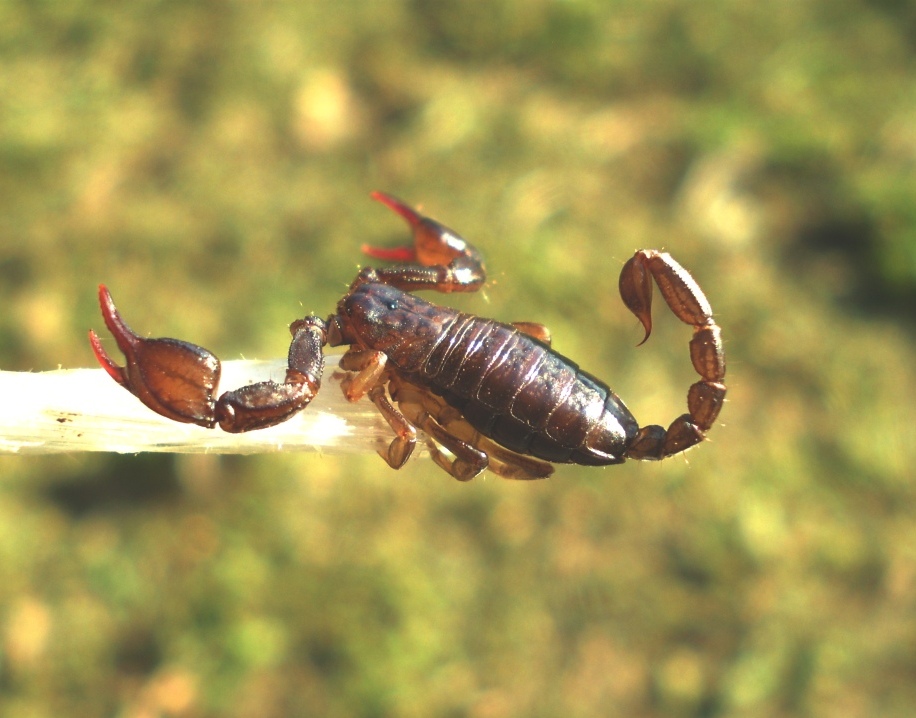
527, 397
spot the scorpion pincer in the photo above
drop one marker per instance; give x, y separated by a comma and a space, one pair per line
486, 394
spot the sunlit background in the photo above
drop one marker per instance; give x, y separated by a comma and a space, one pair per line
211, 162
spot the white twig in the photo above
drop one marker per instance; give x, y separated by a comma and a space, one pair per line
84, 410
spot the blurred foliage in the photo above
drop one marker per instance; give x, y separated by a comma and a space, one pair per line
211, 162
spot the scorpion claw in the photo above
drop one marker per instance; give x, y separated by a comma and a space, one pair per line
413, 218
171, 377
125, 337
107, 363
434, 243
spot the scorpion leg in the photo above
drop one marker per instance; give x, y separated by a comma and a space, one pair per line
503, 462
405, 440
368, 377
439, 258
365, 369
422, 409
515, 467
532, 329
688, 303
468, 461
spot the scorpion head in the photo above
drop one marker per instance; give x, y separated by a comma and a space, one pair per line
381, 317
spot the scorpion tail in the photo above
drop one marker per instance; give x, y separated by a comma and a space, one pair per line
688, 303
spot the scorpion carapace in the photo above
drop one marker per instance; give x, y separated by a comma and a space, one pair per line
486, 394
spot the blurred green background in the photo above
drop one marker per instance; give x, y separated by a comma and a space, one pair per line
211, 162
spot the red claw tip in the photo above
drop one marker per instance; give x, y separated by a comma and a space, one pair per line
394, 254
105, 361
413, 217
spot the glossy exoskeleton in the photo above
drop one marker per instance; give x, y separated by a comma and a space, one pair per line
491, 395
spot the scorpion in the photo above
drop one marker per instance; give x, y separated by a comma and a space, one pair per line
487, 395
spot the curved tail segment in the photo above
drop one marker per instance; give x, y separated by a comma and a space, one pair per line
688, 303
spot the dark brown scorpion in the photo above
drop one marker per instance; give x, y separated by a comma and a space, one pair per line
492, 395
